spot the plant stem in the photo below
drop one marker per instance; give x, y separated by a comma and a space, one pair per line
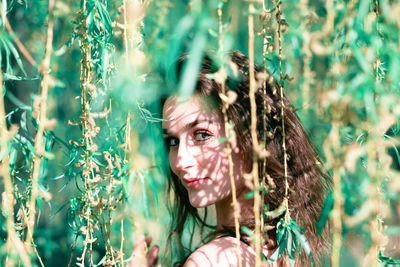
256, 147
286, 200
121, 250
44, 69
336, 213
86, 137
228, 130
13, 243
19, 44
30, 234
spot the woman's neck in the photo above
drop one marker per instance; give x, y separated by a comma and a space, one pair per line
225, 211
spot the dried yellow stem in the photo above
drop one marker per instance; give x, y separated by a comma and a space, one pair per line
228, 130
267, 22
286, 200
127, 147
336, 214
30, 234
13, 244
253, 105
44, 69
87, 139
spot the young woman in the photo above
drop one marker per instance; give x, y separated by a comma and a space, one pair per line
195, 134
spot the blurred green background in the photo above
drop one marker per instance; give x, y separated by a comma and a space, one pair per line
111, 63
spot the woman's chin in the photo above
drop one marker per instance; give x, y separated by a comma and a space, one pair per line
198, 202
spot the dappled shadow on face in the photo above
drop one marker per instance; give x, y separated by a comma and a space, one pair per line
200, 151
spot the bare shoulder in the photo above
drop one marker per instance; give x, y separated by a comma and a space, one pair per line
221, 252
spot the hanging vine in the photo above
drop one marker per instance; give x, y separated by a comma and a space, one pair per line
254, 139
227, 97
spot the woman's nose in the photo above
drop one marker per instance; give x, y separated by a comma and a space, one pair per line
184, 158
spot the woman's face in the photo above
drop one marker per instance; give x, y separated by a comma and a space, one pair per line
197, 154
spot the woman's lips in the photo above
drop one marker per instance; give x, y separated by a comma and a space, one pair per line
193, 182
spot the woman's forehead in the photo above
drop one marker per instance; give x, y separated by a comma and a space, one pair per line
194, 109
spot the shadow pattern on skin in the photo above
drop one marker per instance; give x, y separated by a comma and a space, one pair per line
221, 252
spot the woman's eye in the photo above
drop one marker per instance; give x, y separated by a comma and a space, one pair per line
202, 136
171, 141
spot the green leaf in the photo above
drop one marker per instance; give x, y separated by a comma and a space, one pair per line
97, 161
144, 195
174, 50
388, 260
247, 231
102, 260
212, 32
276, 212
363, 10
220, 4
16, 101
392, 230
222, 140
282, 237
16, 56
298, 231
105, 18
13, 156
250, 195
359, 56
7, 51
11, 77
39, 205
153, 188
26, 143
192, 65
275, 256
394, 148
58, 177
324, 216
105, 62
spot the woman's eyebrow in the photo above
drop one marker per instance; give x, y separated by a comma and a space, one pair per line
189, 125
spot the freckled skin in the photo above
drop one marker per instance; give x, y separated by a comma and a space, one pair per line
196, 152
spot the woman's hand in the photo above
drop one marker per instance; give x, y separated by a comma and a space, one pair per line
139, 257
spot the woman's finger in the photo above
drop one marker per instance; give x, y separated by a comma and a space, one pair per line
139, 246
152, 257
138, 252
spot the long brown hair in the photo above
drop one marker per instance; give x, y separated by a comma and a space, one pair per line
308, 182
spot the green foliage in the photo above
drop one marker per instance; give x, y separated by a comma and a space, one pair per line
291, 241
340, 69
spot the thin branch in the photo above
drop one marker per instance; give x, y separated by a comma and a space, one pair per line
19, 44
85, 72
338, 200
228, 130
13, 243
253, 108
278, 16
42, 119
72, 250
30, 234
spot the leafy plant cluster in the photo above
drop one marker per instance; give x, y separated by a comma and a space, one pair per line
82, 162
